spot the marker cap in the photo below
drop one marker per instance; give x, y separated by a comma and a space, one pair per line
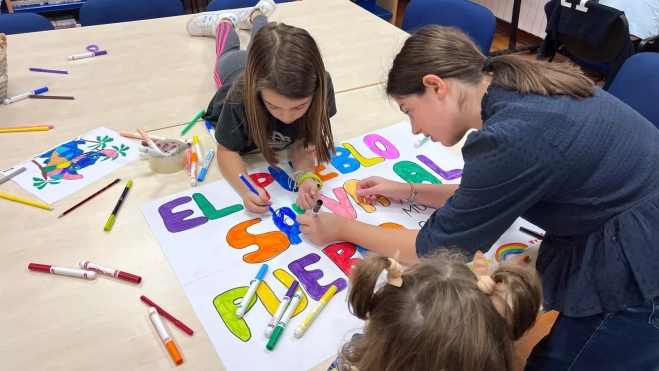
109, 224
274, 338
291, 290
39, 267
202, 174
41, 90
101, 52
176, 356
262, 272
129, 277
208, 125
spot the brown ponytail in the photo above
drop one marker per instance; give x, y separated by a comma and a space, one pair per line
438, 319
449, 53
522, 287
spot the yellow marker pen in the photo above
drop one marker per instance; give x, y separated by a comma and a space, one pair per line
113, 216
299, 331
200, 155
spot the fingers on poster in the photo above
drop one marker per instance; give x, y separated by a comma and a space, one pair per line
215, 246
72, 165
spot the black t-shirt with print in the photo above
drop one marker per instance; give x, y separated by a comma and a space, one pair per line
228, 119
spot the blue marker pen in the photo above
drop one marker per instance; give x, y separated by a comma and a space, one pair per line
251, 188
211, 131
244, 303
25, 95
207, 162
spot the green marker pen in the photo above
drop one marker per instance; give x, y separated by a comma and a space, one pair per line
113, 216
281, 326
194, 120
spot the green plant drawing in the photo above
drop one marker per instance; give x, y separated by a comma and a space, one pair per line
102, 142
40, 183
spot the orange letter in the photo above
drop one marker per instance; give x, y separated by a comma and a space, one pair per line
269, 244
324, 177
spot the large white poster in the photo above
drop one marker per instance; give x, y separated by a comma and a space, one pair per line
216, 247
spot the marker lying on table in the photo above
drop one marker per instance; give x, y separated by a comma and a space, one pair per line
164, 336
299, 331
25, 95
281, 326
151, 152
113, 216
194, 120
316, 208
61, 72
171, 318
207, 162
421, 142
84, 264
197, 146
531, 233
26, 202
244, 302
128, 134
56, 97
11, 175
211, 131
251, 188
281, 308
87, 55
89, 198
29, 127
62, 271
193, 169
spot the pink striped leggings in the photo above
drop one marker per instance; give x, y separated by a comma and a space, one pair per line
230, 60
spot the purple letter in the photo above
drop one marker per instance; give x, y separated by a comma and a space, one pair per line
448, 175
309, 279
390, 152
176, 222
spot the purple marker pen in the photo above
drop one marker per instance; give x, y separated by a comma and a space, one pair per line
281, 309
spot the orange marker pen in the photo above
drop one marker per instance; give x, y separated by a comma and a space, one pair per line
169, 344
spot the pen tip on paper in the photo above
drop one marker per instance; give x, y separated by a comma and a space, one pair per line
60, 215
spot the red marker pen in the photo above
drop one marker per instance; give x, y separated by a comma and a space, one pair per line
110, 272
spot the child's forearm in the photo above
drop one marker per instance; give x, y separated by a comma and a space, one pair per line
383, 241
232, 165
304, 159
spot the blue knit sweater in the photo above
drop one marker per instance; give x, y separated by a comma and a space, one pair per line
584, 170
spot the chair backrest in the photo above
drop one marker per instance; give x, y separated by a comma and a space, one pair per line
16, 23
474, 19
637, 84
609, 50
217, 5
96, 12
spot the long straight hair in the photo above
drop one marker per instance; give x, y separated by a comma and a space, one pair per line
287, 60
449, 53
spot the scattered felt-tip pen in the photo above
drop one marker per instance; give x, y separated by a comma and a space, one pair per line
300, 330
211, 131
87, 265
164, 336
25, 95
87, 55
113, 216
421, 142
80, 273
193, 169
244, 303
281, 309
207, 163
281, 326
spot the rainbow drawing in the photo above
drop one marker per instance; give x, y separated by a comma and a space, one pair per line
507, 251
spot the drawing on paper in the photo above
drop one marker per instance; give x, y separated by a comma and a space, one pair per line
507, 251
67, 161
74, 164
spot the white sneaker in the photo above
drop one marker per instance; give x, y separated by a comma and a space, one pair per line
205, 24
267, 7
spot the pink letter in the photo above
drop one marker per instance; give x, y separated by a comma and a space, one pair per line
343, 207
390, 152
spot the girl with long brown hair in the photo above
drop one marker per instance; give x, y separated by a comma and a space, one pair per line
438, 314
275, 95
551, 148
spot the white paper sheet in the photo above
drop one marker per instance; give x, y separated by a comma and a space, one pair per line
202, 232
72, 165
